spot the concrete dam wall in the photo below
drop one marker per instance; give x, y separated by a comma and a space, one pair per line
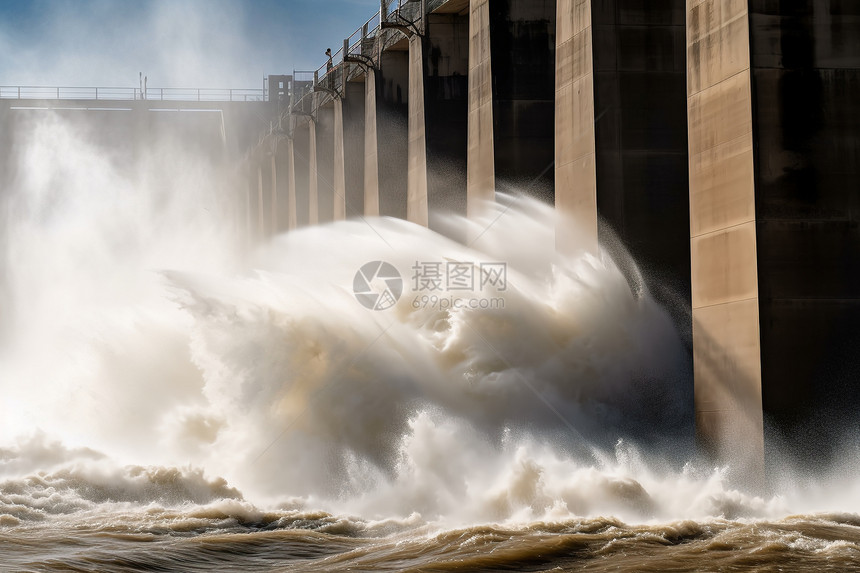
719, 140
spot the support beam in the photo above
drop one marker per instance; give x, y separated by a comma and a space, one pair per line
292, 220
371, 153
261, 210
480, 170
575, 175
725, 295
325, 138
313, 175
416, 201
301, 171
774, 225
249, 203
274, 189
339, 175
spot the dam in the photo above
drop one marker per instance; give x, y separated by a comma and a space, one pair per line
522, 285
719, 140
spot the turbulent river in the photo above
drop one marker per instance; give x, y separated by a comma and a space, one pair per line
175, 401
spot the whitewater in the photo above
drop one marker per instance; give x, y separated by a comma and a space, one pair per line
175, 398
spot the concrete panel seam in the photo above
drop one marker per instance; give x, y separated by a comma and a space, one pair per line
716, 84
716, 304
724, 229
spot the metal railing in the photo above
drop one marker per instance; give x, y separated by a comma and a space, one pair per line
409, 10
360, 46
329, 73
132, 94
303, 84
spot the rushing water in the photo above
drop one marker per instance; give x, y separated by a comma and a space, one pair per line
173, 402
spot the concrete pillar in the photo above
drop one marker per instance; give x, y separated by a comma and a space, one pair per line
480, 170
371, 154
416, 189
8, 167
143, 127
274, 190
775, 225
292, 220
250, 233
301, 171
339, 176
280, 181
6, 143
313, 175
261, 204
325, 139
575, 175
725, 295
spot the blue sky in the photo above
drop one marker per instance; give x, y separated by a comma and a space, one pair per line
176, 43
